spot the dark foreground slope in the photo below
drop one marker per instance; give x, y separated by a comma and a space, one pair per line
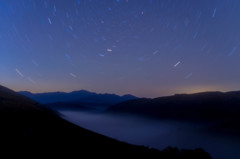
28, 130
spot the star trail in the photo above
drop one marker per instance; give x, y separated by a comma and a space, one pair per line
147, 48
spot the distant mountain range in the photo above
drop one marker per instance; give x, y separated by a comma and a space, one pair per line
77, 99
222, 109
30, 130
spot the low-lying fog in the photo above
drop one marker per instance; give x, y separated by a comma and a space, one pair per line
157, 134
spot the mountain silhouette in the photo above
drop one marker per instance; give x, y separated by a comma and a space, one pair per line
29, 130
77, 99
222, 109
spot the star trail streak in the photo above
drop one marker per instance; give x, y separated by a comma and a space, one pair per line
120, 46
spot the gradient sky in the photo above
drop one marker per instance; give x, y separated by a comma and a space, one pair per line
146, 48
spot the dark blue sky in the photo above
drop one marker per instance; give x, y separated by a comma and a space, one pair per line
144, 47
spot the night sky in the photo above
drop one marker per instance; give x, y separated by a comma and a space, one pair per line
147, 48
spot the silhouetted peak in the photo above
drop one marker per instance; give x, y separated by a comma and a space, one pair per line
82, 96
129, 96
81, 91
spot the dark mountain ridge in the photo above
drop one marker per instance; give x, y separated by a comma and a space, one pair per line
219, 111
209, 106
77, 99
